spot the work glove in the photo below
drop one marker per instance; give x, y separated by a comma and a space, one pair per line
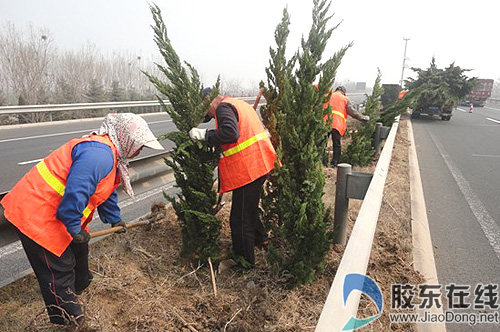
366, 118
120, 223
198, 134
82, 237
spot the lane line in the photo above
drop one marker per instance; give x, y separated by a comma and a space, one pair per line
62, 134
458, 108
493, 120
487, 223
29, 162
485, 155
46, 135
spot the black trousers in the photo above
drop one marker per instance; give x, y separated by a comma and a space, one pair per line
60, 278
337, 147
246, 227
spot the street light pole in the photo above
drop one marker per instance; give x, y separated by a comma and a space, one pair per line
404, 60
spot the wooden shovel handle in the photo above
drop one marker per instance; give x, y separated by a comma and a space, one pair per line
258, 99
140, 222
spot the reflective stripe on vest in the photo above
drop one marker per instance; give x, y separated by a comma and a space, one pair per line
54, 183
245, 144
342, 115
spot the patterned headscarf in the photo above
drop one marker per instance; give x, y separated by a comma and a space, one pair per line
128, 132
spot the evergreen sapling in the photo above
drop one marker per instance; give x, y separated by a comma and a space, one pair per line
193, 162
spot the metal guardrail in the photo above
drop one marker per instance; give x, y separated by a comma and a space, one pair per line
336, 312
86, 106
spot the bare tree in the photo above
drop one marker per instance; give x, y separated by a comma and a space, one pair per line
24, 60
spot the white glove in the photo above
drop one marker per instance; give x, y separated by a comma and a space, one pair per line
198, 134
366, 118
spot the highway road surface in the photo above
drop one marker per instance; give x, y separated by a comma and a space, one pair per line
460, 169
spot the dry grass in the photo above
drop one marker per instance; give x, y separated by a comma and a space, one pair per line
141, 283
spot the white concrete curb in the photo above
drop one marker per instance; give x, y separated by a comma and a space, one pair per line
423, 254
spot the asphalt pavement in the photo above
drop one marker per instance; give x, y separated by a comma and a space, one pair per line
460, 169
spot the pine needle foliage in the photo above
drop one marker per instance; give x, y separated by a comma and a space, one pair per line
277, 72
390, 113
193, 162
360, 151
435, 86
304, 237
279, 69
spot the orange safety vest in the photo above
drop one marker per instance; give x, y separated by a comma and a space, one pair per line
252, 156
338, 102
402, 93
32, 204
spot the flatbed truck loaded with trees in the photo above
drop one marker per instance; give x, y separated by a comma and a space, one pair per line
437, 91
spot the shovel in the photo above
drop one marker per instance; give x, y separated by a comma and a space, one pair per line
146, 220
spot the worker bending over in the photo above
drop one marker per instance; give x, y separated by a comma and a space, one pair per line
53, 203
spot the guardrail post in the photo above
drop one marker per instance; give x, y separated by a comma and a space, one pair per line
341, 204
377, 138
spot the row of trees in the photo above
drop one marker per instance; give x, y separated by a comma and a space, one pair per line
296, 90
33, 71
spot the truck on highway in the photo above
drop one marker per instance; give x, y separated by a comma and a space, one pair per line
437, 91
480, 93
433, 107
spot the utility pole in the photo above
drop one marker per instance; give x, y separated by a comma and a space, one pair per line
404, 60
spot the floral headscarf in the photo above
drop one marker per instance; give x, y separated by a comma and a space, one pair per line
128, 132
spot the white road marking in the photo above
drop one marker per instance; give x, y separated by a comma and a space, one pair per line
485, 155
29, 162
458, 108
493, 120
492, 108
62, 134
46, 135
487, 223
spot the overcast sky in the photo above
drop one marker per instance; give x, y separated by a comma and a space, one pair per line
232, 37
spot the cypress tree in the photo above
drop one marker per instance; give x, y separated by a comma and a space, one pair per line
193, 162
303, 239
95, 92
277, 72
116, 93
360, 150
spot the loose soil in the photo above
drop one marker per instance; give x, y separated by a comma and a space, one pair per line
142, 284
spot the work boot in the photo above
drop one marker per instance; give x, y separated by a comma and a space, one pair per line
80, 286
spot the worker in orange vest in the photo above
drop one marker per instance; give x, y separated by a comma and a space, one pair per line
341, 107
402, 93
247, 158
53, 203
